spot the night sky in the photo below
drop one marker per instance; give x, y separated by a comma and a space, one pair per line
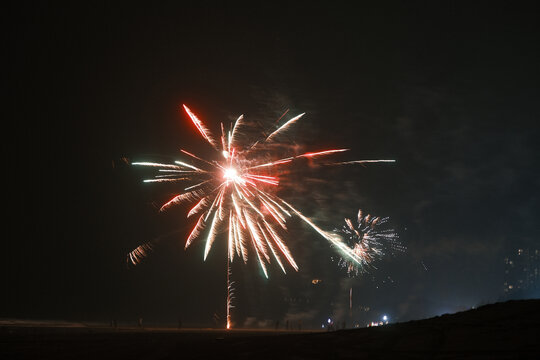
450, 90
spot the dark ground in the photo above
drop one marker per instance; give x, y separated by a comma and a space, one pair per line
508, 330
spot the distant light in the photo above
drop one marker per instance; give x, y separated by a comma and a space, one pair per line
329, 321
385, 318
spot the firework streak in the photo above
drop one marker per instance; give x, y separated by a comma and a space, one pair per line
237, 193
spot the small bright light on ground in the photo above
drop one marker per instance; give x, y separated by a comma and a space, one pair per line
385, 318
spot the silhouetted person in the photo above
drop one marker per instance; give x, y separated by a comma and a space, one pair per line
277, 324
140, 322
179, 323
287, 325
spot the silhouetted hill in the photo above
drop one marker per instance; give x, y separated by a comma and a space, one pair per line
508, 330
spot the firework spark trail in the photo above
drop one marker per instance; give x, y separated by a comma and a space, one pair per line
136, 256
235, 192
200, 126
362, 162
157, 165
333, 238
368, 241
285, 126
309, 155
189, 196
164, 180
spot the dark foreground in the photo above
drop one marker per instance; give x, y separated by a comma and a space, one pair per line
508, 330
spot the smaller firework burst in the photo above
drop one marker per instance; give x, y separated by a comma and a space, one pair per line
369, 240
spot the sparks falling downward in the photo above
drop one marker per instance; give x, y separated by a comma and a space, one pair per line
238, 192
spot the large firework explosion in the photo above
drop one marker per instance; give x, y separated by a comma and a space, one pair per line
236, 192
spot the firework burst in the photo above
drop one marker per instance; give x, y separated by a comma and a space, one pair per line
369, 240
237, 192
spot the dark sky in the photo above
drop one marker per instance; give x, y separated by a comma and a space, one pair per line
450, 90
